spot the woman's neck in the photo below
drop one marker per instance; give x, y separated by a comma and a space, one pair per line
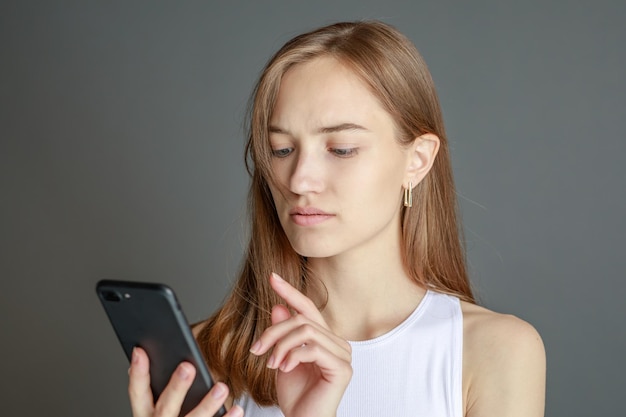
366, 295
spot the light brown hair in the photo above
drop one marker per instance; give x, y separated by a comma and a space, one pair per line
433, 252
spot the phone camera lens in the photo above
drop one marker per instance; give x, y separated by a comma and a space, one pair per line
111, 296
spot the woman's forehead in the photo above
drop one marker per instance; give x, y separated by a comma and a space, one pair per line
326, 93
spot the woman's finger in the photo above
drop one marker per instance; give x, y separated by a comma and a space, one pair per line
141, 401
307, 335
212, 402
293, 333
331, 365
171, 399
295, 299
280, 313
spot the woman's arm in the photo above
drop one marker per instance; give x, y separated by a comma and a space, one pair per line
504, 366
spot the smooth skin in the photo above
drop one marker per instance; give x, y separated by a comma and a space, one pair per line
336, 153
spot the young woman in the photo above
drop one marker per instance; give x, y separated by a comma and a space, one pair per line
354, 299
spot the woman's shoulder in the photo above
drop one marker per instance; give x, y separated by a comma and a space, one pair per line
484, 326
503, 364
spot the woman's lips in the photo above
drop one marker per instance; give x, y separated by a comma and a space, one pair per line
308, 216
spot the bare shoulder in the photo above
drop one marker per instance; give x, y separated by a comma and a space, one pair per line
498, 333
503, 364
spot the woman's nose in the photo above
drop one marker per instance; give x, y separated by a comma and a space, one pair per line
307, 173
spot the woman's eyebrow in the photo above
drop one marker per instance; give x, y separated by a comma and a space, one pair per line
341, 127
326, 129
276, 129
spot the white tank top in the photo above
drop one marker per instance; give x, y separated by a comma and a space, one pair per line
413, 370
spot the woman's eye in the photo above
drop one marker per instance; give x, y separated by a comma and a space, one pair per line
281, 153
344, 152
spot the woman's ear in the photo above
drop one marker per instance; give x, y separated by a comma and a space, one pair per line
422, 153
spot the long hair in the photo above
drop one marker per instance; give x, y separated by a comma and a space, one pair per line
432, 249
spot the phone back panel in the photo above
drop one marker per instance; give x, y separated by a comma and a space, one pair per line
148, 315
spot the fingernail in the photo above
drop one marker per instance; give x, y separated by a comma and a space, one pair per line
218, 391
134, 356
278, 277
183, 372
256, 347
270, 362
236, 411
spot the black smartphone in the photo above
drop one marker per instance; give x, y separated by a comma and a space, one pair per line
148, 315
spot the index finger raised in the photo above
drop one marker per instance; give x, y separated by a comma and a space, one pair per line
295, 299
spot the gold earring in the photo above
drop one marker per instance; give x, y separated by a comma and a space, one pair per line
408, 196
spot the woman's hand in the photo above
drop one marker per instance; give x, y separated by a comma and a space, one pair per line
171, 399
314, 364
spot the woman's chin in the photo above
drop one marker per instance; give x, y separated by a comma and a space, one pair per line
313, 251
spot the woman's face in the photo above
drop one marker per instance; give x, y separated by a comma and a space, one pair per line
339, 170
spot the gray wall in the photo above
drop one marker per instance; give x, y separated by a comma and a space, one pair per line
121, 157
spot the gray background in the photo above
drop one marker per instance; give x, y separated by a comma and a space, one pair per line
121, 157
